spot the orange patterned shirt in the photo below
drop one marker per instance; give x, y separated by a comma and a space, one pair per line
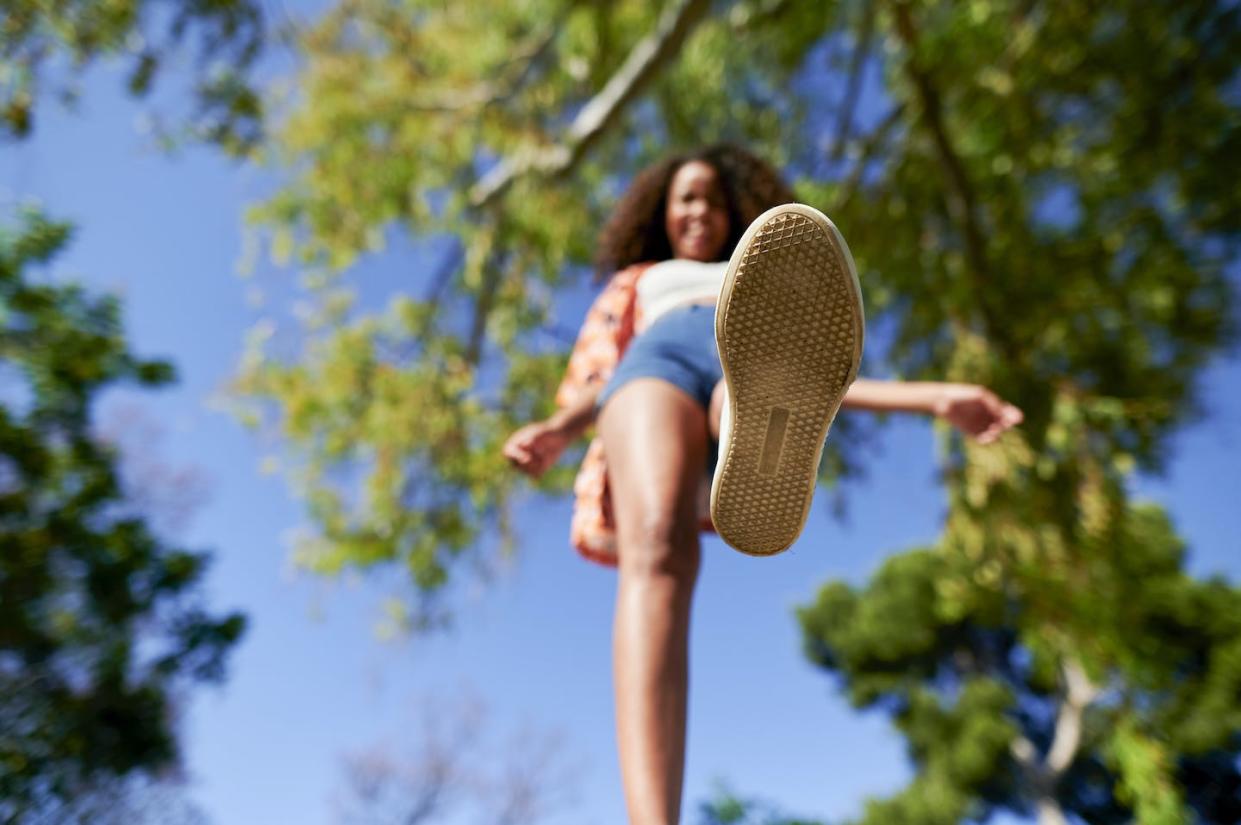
609, 327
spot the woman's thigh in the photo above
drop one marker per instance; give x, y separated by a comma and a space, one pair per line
655, 439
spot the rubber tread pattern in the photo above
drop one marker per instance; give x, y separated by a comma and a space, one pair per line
789, 333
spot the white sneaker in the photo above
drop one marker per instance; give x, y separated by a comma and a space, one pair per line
789, 327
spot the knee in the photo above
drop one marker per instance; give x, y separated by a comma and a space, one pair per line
660, 545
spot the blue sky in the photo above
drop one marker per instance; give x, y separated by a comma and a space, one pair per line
311, 681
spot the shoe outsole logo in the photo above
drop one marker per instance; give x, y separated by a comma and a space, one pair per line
777, 424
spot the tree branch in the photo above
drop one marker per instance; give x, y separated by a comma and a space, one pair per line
1023, 750
1049, 811
853, 87
1038, 785
448, 267
646, 58
745, 17
440, 282
493, 93
874, 142
650, 53
1079, 693
962, 200
492, 276
1041, 776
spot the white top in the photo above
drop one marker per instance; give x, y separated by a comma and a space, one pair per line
676, 283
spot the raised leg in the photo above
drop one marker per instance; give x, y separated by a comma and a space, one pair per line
655, 438
717, 406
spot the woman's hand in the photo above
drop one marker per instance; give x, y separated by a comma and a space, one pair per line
535, 447
975, 411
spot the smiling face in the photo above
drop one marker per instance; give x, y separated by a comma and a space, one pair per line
696, 219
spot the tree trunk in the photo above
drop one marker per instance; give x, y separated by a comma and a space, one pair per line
1049, 811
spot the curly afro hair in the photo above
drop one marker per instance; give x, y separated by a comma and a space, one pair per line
635, 231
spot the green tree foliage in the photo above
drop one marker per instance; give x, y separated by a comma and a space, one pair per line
46, 44
1038, 197
101, 628
1041, 198
1054, 226
505, 129
1120, 706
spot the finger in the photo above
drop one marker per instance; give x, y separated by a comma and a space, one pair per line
997, 426
519, 457
989, 436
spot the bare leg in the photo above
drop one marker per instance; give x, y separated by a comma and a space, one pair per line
717, 406
655, 439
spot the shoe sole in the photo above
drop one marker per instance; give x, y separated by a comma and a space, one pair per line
789, 328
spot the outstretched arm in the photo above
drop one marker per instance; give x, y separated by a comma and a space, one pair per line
535, 447
972, 409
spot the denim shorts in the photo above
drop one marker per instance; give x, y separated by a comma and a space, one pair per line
679, 348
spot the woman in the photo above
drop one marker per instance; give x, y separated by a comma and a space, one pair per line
647, 370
